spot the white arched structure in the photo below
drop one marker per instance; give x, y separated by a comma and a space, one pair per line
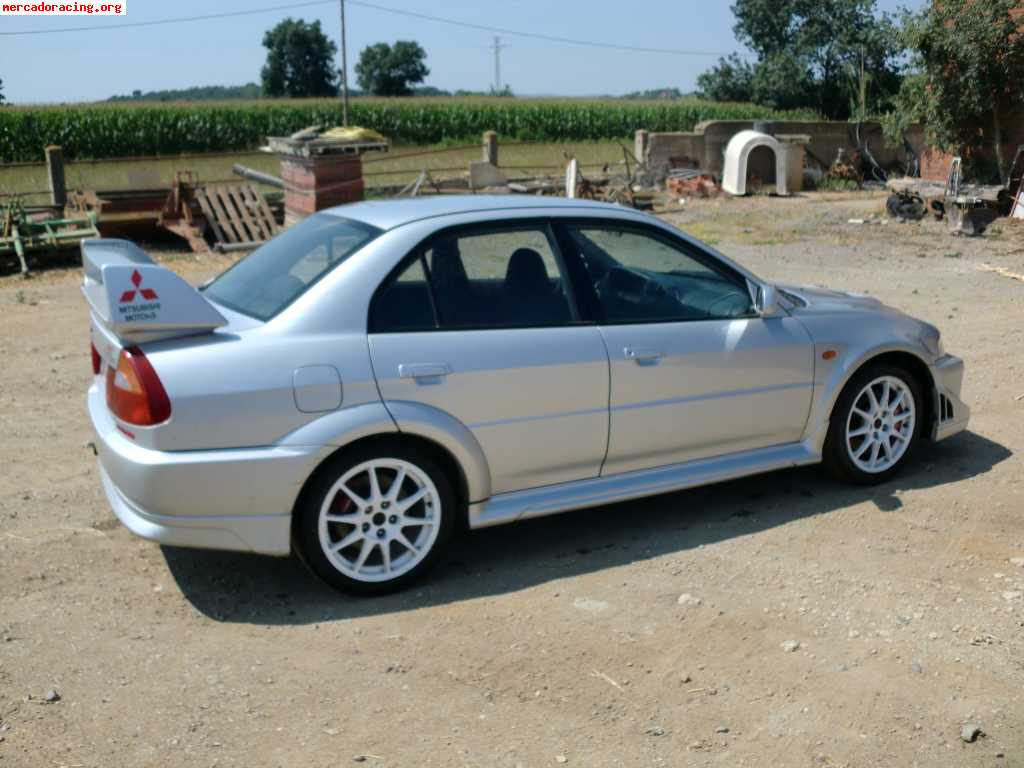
734, 177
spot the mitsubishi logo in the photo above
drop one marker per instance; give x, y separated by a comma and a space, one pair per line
147, 293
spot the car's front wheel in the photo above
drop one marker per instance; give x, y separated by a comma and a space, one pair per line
376, 518
874, 425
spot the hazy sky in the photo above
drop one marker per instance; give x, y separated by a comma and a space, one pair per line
100, 63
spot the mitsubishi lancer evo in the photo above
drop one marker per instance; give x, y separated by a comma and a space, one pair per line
386, 373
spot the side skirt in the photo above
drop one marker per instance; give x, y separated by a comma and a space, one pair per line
549, 500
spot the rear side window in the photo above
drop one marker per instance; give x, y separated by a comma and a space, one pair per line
276, 274
503, 278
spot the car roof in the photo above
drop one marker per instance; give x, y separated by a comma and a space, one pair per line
388, 214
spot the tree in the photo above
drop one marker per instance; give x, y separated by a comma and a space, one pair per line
299, 60
386, 70
804, 54
1, 92
730, 80
967, 67
195, 93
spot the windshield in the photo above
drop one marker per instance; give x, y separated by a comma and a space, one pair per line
277, 273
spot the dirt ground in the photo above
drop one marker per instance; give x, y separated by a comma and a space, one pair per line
558, 641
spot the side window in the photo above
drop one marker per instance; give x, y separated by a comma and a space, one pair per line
641, 277
498, 279
404, 304
505, 278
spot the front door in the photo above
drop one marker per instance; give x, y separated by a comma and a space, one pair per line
695, 371
480, 324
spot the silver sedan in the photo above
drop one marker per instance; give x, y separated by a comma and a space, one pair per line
385, 373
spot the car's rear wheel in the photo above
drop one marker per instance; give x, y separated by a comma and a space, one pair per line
376, 518
874, 425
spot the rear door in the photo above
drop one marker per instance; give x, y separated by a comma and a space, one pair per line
695, 371
480, 323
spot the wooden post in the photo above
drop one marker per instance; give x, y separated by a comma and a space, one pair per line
55, 173
491, 148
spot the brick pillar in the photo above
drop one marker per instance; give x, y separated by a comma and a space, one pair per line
320, 181
935, 164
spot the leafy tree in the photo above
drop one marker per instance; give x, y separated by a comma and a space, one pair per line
1, 92
967, 67
428, 90
299, 60
654, 94
732, 79
804, 54
195, 93
386, 70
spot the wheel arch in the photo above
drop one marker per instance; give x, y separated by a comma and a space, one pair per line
838, 378
912, 363
447, 461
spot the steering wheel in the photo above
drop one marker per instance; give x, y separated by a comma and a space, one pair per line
623, 281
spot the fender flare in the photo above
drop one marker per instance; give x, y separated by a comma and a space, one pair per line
344, 426
840, 376
451, 434
348, 425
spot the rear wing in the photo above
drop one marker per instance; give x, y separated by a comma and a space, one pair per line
137, 300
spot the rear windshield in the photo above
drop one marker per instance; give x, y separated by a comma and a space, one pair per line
276, 274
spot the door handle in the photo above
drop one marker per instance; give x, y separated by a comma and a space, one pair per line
423, 370
643, 354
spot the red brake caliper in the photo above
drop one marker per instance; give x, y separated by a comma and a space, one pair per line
341, 504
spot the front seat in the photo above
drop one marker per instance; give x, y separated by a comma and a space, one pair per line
530, 297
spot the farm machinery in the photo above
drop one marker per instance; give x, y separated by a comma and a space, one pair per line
24, 229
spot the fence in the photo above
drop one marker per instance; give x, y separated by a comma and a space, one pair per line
32, 181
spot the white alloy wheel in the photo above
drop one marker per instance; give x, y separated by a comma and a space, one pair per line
880, 424
379, 520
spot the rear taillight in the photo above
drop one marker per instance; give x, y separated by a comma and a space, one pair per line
134, 391
95, 359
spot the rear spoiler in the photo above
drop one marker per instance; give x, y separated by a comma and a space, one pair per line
138, 300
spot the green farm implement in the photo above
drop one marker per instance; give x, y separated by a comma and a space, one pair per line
26, 229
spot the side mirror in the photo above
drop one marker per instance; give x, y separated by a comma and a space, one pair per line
768, 301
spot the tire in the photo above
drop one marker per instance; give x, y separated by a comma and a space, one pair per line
855, 447
388, 548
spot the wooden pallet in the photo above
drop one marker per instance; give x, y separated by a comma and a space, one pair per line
237, 215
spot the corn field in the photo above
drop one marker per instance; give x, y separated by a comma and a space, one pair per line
101, 131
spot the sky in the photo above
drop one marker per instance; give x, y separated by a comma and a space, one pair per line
98, 63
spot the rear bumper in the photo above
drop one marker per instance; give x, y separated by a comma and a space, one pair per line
233, 499
266, 534
952, 414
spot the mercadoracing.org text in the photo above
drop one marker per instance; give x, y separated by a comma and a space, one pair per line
64, 9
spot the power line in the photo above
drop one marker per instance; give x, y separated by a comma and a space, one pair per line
374, 6
536, 35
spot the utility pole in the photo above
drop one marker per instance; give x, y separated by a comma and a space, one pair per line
497, 64
344, 70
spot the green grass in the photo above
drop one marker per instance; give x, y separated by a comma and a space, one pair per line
144, 129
